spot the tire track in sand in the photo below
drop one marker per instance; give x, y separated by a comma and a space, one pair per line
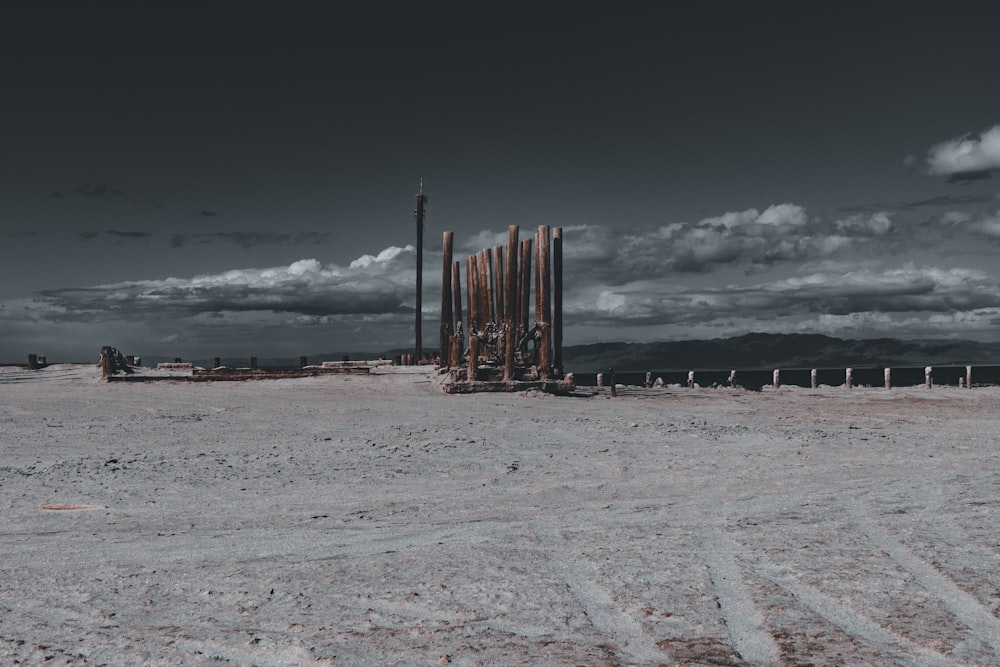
581, 575
963, 605
849, 620
743, 619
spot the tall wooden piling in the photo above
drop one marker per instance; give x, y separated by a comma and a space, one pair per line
459, 335
557, 300
544, 319
968, 377
447, 316
510, 303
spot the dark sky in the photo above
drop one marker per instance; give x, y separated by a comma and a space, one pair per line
215, 178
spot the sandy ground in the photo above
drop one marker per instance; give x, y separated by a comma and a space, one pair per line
375, 520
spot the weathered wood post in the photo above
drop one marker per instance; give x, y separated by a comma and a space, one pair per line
732, 379
557, 298
447, 316
888, 378
545, 306
510, 303
813, 379
303, 362
216, 362
600, 379
106, 361
928, 380
524, 280
848, 379
690, 379
776, 379
961, 381
473, 357
499, 290
32, 362
968, 377
614, 385
472, 317
459, 334
649, 380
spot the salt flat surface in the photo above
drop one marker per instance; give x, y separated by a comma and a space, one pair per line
350, 520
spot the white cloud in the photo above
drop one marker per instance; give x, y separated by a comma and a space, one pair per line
965, 155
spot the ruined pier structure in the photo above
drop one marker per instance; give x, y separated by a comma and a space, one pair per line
498, 301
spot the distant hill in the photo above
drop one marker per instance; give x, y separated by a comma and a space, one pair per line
777, 351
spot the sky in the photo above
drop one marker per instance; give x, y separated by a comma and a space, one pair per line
235, 178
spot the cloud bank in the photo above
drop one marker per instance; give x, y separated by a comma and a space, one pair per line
774, 269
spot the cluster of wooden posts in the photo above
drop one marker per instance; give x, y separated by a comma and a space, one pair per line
965, 381
498, 324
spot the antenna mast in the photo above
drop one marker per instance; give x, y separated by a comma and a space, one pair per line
419, 214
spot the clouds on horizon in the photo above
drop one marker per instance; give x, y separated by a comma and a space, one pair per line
834, 276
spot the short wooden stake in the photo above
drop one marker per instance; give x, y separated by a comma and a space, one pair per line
690, 379
600, 379
732, 379
848, 379
888, 378
968, 377
813, 379
303, 362
216, 362
928, 379
614, 385
649, 379
961, 381
776, 379
473, 357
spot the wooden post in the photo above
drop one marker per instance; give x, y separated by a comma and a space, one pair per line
485, 289
776, 379
499, 292
447, 316
614, 385
690, 379
524, 280
510, 303
928, 380
557, 300
456, 285
600, 379
545, 304
968, 377
848, 378
649, 379
813, 380
106, 362
470, 293
473, 357
32, 362
732, 379
888, 378
303, 362
217, 361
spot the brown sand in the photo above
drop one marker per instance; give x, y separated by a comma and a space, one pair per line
375, 520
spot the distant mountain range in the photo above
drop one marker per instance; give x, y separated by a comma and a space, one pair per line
752, 351
756, 351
